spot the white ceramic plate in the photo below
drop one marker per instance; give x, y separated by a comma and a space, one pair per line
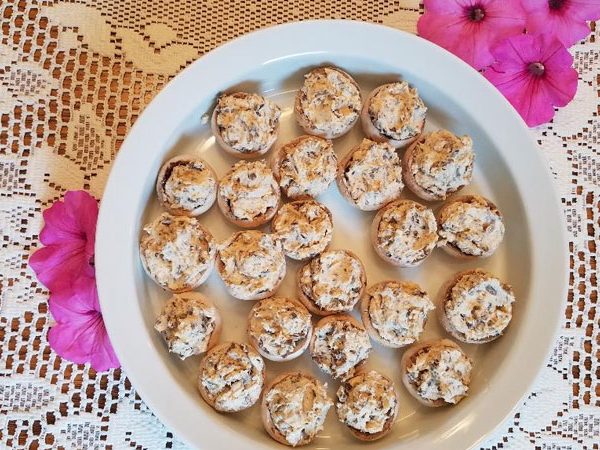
509, 170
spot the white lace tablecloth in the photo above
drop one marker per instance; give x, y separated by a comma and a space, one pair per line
75, 75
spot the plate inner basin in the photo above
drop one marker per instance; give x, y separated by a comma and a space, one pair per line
351, 231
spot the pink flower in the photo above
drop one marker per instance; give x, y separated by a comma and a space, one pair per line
534, 73
68, 235
66, 267
565, 19
468, 28
79, 334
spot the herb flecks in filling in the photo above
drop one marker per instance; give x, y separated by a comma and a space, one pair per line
373, 175
330, 101
442, 163
247, 122
333, 281
297, 406
397, 111
440, 372
407, 232
479, 306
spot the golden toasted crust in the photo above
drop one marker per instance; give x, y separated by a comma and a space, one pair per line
310, 305
277, 158
246, 223
341, 182
301, 116
343, 186
279, 154
266, 416
162, 178
374, 231
409, 357
444, 293
368, 437
302, 200
333, 318
211, 242
366, 318
373, 133
216, 334
220, 266
241, 155
258, 221
201, 389
300, 346
269, 293
409, 179
440, 217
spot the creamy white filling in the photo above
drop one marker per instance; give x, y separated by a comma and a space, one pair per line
249, 190
186, 323
474, 228
398, 311
298, 406
397, 111
253, 263
247, 122
330, 101
177, 253
339, 347
407, 232
373, 175
479, 306
441, 372
190, 186
279, 326
233, 376
367, 402
308, 167
304, 227
333, 281
442, 163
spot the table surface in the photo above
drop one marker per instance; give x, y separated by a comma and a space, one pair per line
75, 75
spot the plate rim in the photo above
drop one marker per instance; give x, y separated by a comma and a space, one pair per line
106, 227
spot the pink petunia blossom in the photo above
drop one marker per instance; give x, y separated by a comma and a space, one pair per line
565, 19
68, 235
534, 73
469, 28
79, 334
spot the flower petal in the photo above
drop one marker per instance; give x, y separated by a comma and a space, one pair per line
522, 90
534, 97
73, 340
561, 86
69, 235
560, 79
555, 55
585, 9
567, 23
80, 298
103, 355
534, 104
446, 31
58, 266
85, 209
72, 219
447, 24
80, 334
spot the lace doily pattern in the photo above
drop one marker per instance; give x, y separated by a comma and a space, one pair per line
75, 75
